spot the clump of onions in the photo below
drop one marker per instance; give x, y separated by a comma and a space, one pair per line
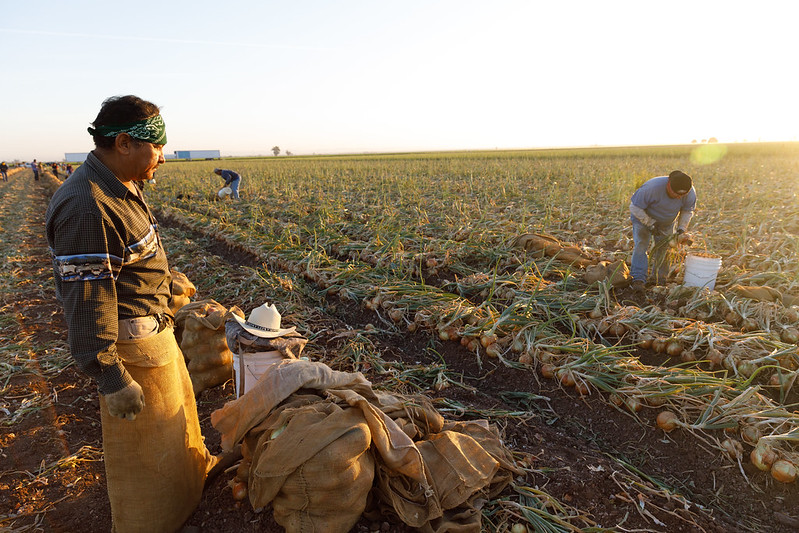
783, 471
762, 456
667, 421
733, 448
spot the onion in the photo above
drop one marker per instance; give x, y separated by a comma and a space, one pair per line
526, 359
518, 528
715, 357
412, 327
493, 350
473, 345
659, 344
673, 347
633, 404
596, 312
750, 434
566, 377
783, 471
791, 314
517, 345
582, 388
667, 421
762, 456
746, 368
748, 325
733, 448
396, 314
239, 490
790, 335
732, 318
547, 370
687, 356
487, 339
645, 342
617, 329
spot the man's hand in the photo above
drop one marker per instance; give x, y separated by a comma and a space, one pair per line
127, 402
684, 238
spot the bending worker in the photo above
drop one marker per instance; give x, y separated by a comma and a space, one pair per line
113, 279
653, 210
232, 180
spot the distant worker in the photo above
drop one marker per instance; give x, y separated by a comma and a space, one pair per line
35, 169
232, 180
4, 171
654, 207
69, 170
54, 166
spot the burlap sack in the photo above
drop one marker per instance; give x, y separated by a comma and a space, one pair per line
182, 291
155, 465
202, 341
541, 245
616, 272
314, 484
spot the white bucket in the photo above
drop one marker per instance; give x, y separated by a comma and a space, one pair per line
701, 271
249, 367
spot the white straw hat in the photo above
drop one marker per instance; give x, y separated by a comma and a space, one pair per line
264, 322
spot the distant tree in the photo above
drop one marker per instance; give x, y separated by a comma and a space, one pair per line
276, 150
704, 140
712, 140
288, 153
693, 142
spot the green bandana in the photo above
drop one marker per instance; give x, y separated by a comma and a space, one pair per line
151, 130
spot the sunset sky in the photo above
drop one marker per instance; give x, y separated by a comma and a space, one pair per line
365, 76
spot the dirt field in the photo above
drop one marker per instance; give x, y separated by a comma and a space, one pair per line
608, 470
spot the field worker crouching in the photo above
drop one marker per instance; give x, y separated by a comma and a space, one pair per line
232, 180
653, 209
112, 276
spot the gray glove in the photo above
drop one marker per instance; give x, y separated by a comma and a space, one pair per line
127, 402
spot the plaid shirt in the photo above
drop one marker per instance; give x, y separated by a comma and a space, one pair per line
108, 263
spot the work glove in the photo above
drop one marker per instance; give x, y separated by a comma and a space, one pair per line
684, 238
126, 403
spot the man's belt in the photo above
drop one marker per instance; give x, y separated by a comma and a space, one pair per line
143, 327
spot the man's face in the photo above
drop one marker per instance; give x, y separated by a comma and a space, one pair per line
145, 159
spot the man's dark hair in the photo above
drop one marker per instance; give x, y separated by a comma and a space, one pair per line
118, 110
680, 182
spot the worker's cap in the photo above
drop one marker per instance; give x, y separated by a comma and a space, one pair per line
680, 182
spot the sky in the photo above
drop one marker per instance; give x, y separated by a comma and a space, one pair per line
354, 76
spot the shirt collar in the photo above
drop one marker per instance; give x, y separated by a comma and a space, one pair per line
106, 177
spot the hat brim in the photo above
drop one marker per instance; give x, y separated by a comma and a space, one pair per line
260, 332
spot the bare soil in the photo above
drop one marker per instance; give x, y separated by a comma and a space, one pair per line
616, 469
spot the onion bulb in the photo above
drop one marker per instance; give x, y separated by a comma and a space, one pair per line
582, 388
645, 342
239, 490
762, 456
659, 345
750, 434
526, 359
715, 357
790, 335
783, 471
487, 339
686, 356
667, 421
566, 377
791, 314
633, 404
733, 448
547, 370
493, 350
518, 528
673, 347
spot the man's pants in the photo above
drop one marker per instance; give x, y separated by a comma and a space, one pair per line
234, 187
639, 263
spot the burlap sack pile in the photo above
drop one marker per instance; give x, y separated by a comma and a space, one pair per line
316, 442
201, 327
765, 294
182, 291
616, 272
547, 246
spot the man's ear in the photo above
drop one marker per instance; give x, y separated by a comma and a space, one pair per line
123, 143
